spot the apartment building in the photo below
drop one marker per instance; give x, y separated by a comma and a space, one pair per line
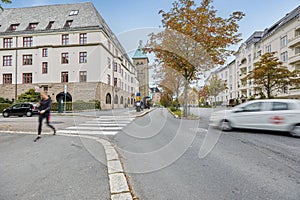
68, 46
283, 37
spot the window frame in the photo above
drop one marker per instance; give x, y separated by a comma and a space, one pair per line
27, 78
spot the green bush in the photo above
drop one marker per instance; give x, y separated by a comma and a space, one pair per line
173, 109
29, 96
3, 106
78, 105
2, 100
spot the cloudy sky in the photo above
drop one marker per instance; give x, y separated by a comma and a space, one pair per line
133, 20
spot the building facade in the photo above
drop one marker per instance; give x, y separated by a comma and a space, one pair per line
70, 46
283, 38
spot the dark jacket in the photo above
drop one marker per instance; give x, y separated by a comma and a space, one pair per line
45, 105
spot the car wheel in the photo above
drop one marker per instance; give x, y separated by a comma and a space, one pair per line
295, 132
225, 125
28, 114
5, 114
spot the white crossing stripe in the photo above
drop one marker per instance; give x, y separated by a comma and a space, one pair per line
104, 125
93, 128
88, 132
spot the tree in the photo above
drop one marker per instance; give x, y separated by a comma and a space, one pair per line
170, 80
4, 1
216, 86
271, 76
194, 39
204, 93
29, 96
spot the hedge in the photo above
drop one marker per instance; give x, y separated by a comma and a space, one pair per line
76, 106
3, 106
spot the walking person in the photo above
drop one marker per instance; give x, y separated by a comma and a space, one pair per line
44, 108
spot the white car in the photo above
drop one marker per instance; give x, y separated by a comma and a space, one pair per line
270, 114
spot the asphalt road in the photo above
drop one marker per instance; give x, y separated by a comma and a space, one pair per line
161, 157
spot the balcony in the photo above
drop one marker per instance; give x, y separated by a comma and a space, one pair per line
294, 59
293, 42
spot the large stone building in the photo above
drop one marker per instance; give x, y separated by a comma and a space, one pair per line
283, 38
141, 62
69, 45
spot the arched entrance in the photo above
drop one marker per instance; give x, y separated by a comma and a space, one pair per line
62, 97
108, 98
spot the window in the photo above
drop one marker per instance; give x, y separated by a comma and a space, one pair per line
65, 39
74, 12
109, 45
108, 63
115, 67
27, 59
297, 50
82, 38
115, 82
46, 88
44, 68
82, 76
32, 26
27, 78
7, 60
283, 41
297, 32
68, 23
108, 79
280, 106
131, 79
284, 56
64, 77
27, 41
49, 26
83, 57
7, 42
7, 78
253, 107
45, 52
13, 27
249, 58
268, 48
65, 58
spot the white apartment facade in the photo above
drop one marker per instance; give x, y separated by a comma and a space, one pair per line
283, 38
70, 45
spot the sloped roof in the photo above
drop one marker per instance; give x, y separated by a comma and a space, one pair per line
139, 53
87, 18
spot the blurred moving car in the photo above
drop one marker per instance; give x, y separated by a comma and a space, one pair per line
269, 114
21, 109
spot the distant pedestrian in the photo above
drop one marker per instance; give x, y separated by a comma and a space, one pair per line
44, 108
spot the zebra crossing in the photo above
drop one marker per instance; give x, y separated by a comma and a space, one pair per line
104, 125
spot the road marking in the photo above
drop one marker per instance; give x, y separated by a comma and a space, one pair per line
87, 132
102, 125
93, 128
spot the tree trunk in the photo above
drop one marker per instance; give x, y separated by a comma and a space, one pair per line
185, 106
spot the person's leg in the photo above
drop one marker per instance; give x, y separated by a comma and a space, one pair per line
48, 123
40, 124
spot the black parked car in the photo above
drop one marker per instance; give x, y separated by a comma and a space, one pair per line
21, 109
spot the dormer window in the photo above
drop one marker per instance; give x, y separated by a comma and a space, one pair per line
68, 24
13, 27
74, 12
50, 25
32, 26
